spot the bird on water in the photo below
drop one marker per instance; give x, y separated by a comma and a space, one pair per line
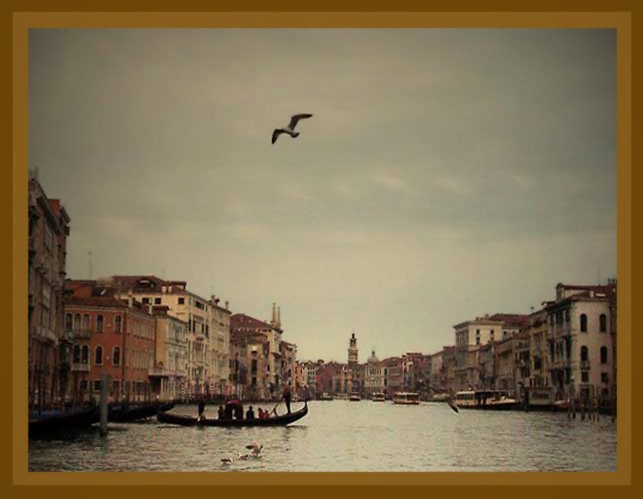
290, 129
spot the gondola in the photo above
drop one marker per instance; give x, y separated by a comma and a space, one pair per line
283, 420
124, 413
53, 421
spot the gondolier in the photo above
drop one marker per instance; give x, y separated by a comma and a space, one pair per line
287, 397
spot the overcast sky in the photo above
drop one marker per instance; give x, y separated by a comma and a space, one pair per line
445, 174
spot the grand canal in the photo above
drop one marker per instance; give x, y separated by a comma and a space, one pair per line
346, 436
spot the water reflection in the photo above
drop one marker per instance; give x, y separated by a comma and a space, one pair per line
346, 436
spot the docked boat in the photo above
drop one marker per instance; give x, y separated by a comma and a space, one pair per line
440, 397
354, 397
325, 396
378, 397
63, 420
406, 398
282, 420
493, 400
125, 413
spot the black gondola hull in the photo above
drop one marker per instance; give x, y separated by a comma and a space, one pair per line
283, 420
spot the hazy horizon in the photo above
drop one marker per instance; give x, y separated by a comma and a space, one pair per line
445, 173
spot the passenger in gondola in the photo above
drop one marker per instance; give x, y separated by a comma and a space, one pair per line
250, 414
260, 413
227, 412
238, 411
221, 413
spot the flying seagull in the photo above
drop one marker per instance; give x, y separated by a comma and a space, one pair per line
290, 129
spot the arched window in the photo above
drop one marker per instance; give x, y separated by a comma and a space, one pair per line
76, 357
99, 324
603, 355
603, 323
583, 323
116, 356
68, 322
584, 354
118, 323
86, 322
84, 358
98, 355
77, 322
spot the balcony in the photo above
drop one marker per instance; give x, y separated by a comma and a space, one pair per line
79, 367
47, 334
80, 334
584, 365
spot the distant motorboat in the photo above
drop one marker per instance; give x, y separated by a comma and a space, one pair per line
493, 400
354, 397
378, 397
325, 396
406, 398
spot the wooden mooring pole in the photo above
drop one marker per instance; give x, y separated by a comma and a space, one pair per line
104, 409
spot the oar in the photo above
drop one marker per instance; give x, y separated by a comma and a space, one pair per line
273, 409
453, 406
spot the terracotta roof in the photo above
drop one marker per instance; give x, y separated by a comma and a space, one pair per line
238, 321
96, 301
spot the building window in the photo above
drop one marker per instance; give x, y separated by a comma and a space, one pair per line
68, 322
157, 301
604, 378
77, 322
603, 323
84, 357
583, 323
86, 322
99, 324
118, 323
76, 355
145, 301
97, 384
181, 300
603, 355
584, 353
584, 376
98, 356
116, 356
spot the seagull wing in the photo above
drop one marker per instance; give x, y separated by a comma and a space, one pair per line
276, 134
296, 118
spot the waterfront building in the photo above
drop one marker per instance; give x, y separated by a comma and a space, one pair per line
469, 336
327, 376
580, 334
49, 345
110, 336
394, 376
288, 353
487, 366
416, 371
274, 362
375, 376
448, 371
207, 346
219, 347
505, 365
437, 385
169, 372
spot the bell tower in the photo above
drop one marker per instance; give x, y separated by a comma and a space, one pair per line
352, 350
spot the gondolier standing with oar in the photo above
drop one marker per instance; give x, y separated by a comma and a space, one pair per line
287, 397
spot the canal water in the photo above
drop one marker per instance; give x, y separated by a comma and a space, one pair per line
345, 436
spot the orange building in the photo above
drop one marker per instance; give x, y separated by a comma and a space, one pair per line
111, 336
